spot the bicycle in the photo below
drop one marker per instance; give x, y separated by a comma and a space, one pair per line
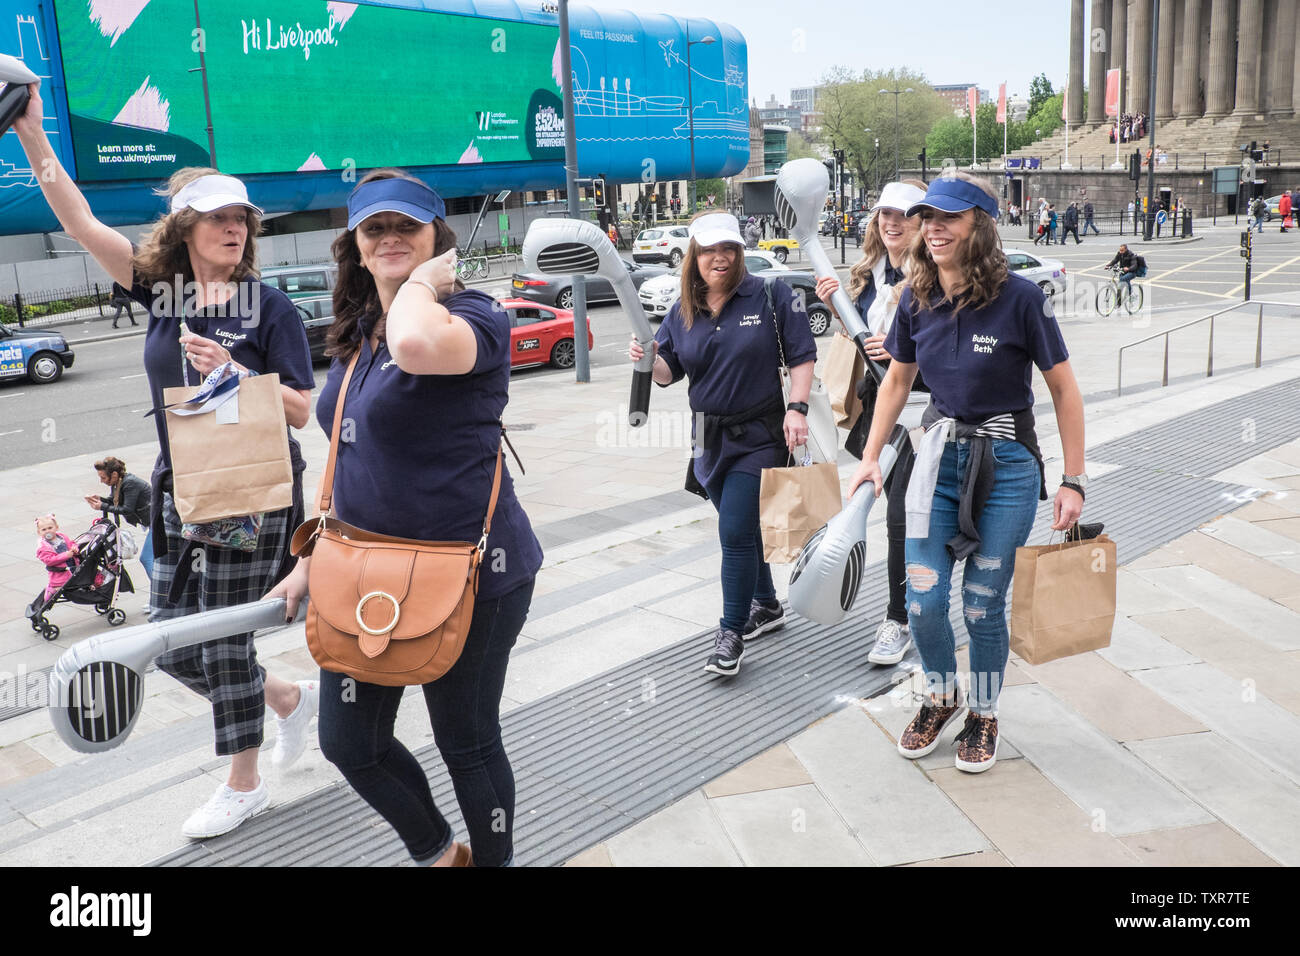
1110, 296
472, 267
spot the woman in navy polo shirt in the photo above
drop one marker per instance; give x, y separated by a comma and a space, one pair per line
425, 403
876, 283
721, 334
198, 266
974, 331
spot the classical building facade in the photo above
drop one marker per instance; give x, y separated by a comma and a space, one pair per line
1215, 59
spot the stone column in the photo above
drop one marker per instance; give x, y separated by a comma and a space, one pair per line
1284, 50
1190, 61
1165, 61
1075, 80
1119, 44
1097, 63
1250, 39
1218, 92
1139, 97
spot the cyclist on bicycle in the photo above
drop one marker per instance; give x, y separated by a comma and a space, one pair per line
1130, 265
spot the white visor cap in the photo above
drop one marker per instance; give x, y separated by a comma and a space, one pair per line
212, 192
714, 228
899, 196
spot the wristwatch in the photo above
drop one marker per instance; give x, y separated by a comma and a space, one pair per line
1076, 483
800, 407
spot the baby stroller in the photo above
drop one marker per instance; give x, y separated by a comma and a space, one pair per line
98, 576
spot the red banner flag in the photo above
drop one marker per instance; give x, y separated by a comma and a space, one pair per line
1112, 92
972, 101
1002, 103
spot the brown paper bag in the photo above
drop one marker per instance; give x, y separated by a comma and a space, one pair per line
227, 470
841, 373
1063, 599
793, 503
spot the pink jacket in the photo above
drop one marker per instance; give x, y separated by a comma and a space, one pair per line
56, 562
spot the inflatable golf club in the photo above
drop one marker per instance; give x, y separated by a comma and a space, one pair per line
97, 686
828, 571
14, 77
577, 247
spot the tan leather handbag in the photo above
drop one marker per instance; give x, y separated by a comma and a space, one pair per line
386, 610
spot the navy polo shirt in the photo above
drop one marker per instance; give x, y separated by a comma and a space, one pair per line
258, 326
422, 449
977, 362
867, 297
732, 364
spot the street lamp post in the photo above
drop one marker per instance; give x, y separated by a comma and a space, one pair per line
690, 111
897, 127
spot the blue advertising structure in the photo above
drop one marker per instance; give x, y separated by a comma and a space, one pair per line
629, 83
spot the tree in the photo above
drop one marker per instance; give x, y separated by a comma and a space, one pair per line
704, 188
1040, 89
1046, 117
799, 148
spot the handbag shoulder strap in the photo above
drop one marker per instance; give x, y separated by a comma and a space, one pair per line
776, 324
327, 479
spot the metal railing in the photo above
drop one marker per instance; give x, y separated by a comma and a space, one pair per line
1209, 351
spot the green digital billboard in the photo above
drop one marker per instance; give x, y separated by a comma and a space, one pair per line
302, 85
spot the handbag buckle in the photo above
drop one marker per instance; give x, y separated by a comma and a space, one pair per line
482, 543
397, 613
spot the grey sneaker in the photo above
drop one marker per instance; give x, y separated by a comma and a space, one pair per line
763, 618
728, 652
892, 641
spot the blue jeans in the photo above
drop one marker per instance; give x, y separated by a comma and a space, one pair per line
1003, 526
356, 735
746, 577
1089, 224
146, 554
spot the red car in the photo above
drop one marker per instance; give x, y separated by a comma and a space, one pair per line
541, 334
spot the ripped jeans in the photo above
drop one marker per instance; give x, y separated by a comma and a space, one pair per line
1003, 526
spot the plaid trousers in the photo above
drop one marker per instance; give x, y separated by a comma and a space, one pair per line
226, 672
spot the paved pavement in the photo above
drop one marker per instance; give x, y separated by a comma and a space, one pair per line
1114, 756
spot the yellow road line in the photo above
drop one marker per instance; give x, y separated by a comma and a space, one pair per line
1255, 278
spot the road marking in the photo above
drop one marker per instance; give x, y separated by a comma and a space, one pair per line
136, 375
17, 431
13, 395
1255, 278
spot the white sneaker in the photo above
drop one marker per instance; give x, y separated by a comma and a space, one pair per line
892, 641
226, 810
291, 732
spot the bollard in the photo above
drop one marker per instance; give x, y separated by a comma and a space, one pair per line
18, 307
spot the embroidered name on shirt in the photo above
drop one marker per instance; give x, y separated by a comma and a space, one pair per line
984, 343
386, 364
228, 337
751, 320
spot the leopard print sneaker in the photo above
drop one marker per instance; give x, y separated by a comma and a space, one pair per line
977, 744
923, 733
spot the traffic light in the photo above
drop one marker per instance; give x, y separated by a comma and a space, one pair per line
920, 157
598, 191
1135, 166
830, 168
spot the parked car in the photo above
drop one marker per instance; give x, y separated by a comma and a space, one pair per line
659, 295
301, 281
317, 313
661, 244
1274, 204
41, 356
781, 248
541, 335
558, 290
1049, 274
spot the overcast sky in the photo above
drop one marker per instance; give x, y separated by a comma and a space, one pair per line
948, 40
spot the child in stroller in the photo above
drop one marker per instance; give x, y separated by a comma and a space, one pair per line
87, 570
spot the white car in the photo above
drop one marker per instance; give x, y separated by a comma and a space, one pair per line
659, 294
1048, 274
661, 244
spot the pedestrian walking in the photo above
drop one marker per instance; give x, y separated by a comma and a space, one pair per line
205, 243
1070, 223
1258, 213
131, 499
1284, 210
429, 388
1052, 221
121, 303
978, 475
1088, 220
876, 282
1044, 218
721, 335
